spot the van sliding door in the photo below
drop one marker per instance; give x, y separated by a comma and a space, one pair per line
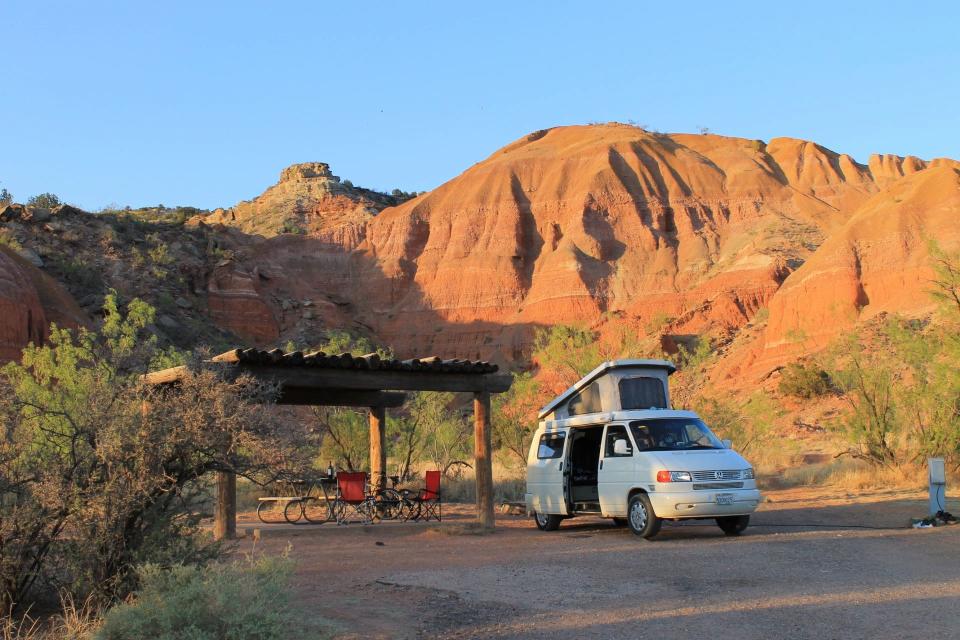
546, 476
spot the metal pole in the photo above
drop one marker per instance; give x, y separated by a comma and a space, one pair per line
938, 485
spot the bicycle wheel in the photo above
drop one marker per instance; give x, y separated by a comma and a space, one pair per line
270, 511
388, 503
293, 511
316, 510
409, 508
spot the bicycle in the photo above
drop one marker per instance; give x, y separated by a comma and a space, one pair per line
388, 501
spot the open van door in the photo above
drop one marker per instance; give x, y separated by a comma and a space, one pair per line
547, 473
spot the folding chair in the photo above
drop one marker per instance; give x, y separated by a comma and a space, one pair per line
352, 498
429, 499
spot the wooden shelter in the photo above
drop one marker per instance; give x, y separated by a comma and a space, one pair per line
360, 381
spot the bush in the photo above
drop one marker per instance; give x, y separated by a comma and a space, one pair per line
99, 472
804, 381
241, 601
44, 201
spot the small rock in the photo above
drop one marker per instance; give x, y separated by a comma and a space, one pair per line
168, 322
224, 263
38, 214
308, 303
286, 305
308, 315
379, 544
183, 303
31, 257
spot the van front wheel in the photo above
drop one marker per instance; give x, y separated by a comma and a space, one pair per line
641, 518
546, 522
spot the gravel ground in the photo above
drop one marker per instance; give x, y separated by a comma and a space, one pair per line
812, 578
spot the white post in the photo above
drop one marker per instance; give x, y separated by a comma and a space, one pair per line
938, 485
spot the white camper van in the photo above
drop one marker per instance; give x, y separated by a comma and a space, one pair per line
610, 445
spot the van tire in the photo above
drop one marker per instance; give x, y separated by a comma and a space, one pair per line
733, 525
546, 522
641, 518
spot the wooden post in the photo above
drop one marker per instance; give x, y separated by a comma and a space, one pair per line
225, 518
378, 449
482, 458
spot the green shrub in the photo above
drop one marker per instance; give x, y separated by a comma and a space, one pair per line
44, 201
242, 601
804, 381
291, 227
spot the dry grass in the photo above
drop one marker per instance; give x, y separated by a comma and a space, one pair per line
849, 474
75, 622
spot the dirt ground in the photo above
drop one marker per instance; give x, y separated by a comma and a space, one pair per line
590, 579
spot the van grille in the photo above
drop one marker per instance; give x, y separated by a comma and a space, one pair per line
717, 485
708, 476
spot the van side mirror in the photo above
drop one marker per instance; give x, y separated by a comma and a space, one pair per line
728, 444
621, 448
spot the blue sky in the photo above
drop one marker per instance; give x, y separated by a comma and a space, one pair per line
203, 103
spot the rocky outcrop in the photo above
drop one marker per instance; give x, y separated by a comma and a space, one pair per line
589, 225
29, 301
235, 304
22, 318
308, 200
576, 224
879, 262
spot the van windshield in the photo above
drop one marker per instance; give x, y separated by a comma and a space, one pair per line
673, 434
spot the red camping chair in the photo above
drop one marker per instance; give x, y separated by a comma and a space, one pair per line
429, 500
352, 498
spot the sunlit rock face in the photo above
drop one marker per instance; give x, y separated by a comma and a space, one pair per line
598, 225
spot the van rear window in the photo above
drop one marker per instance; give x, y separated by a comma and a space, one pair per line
551, 446
642, 393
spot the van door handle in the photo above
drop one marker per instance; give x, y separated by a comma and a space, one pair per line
561, 466
601, 464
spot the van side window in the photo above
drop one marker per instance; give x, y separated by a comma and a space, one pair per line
617, 432
642, 393
587, 401
551, 446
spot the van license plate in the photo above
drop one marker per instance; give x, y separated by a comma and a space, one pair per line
724, 498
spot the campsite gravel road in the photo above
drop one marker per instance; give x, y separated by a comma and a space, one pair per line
591, 579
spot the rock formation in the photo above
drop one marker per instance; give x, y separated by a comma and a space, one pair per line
584, 224
878, 262
309, 199
608, 226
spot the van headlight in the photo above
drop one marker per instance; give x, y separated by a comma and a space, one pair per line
748, 474
674, 476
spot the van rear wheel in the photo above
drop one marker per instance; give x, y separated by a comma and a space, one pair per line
546, 522
733, 525
641, 518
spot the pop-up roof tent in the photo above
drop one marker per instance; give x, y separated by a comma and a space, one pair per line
616, 385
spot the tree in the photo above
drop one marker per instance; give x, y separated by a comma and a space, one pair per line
44, 201
407, 433
515, 417
101, 472
5, 197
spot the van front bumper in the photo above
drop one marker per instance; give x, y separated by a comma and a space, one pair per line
704, 504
